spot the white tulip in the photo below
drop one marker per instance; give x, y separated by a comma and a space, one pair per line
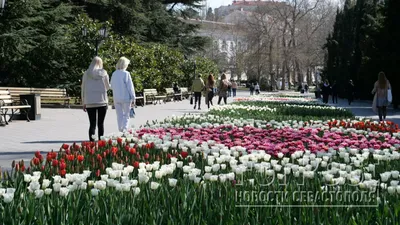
10, 190
27, 178
179, 164
37, 173
95, 192
48, 191
395, 174
7, 198
367, 176
64, 192
39, 193
154, 185
172, 182
143, 178
45, 183
136, 191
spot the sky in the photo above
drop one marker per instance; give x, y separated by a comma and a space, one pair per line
217, 3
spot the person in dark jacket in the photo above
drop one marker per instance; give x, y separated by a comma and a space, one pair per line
334, 93
350, 91
325, 91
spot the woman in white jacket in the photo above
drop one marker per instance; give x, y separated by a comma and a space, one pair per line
95, 83
123, 93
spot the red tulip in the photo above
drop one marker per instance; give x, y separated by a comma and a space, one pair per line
136, 164
98, 173
65, 146
37, 154
184, 154
119, 140
146, 156
54, 163
132, 151
114, 150
36, 161
101, 143
70, 157
63, 165
80, 158
63, 172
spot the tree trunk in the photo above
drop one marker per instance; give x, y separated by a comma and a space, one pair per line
271, 69
284, 67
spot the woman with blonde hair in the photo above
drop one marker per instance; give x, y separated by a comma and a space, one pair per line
380, 90
95, 84
123, 93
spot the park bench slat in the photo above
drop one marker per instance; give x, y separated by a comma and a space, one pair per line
7, 103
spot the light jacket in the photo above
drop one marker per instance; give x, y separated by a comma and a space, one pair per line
234, 84
94, 88
122, 86
198, 85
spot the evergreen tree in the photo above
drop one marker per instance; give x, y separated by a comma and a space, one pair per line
35, 42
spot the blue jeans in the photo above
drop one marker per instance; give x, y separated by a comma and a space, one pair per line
234, 92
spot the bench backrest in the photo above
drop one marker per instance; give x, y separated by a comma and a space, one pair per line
150, 92
44, 92
184, 90
5, 98
169, 90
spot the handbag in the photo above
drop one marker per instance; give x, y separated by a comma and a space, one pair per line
132, 112
389, 95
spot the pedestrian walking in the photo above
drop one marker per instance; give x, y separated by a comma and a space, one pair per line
95, 84
251, 89
325, 91
381, 90
257, 88
197, 88
350, 92
210, 90
223, 89
234, 87
123, 93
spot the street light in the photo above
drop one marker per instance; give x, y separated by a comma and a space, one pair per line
2, 6
102, 34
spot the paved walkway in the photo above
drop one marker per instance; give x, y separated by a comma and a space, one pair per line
364, 109
21, 139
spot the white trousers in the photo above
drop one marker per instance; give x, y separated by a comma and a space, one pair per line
122, 109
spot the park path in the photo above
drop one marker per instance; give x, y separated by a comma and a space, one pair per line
21, 139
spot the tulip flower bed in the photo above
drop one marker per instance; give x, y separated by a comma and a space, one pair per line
218, 168
262, 110
276, 99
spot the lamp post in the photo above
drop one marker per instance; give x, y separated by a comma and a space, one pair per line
102, 34
2, 6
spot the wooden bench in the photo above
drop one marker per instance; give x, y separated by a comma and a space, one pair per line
171, 95
151, 95
185, 92
7, 103
47, 95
